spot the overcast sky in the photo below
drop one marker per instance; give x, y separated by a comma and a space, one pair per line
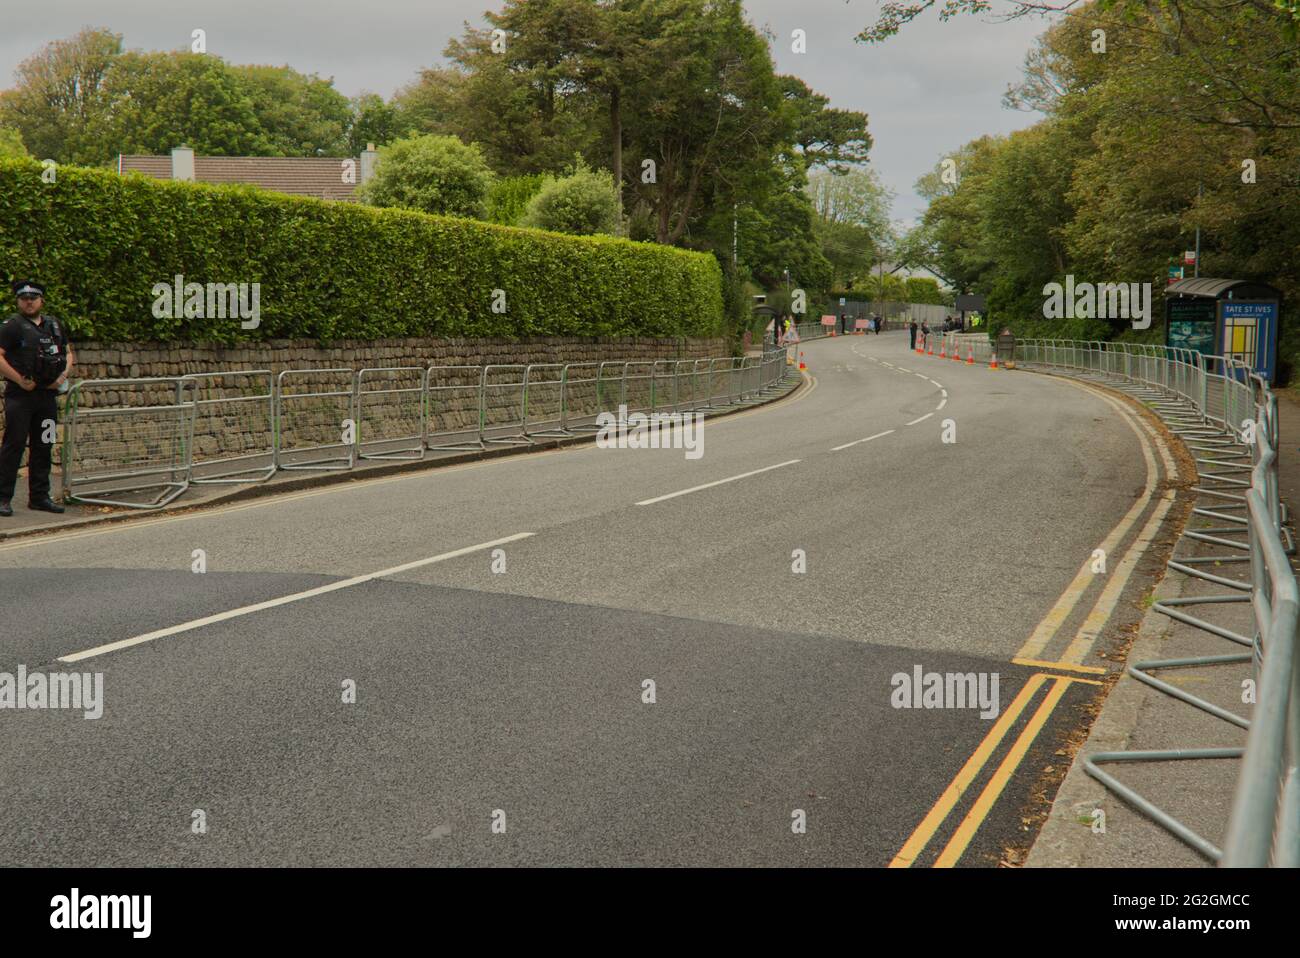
927, 91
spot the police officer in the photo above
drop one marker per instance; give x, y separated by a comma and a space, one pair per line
35, 360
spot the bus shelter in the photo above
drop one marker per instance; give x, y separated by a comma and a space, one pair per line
1225, 317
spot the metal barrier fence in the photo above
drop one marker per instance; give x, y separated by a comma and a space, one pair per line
1227, 417
128, 436
233, 405
140, 443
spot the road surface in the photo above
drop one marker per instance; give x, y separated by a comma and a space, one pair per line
502, 717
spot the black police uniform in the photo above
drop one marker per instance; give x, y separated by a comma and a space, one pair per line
40, 353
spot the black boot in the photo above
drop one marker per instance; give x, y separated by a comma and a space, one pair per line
5, 508
45, 505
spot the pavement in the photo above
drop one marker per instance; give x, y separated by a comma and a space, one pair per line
591, 656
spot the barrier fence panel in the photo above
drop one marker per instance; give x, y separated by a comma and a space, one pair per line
638, 387
502, 405
316, 419
663, 385
719, 383
234, 425
126, 437
390, 412
700, 383
544, 401
583, 396
451, 419
687, 388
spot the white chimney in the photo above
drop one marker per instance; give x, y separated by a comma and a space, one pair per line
183, 163
368, 159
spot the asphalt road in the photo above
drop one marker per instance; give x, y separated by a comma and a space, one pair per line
518, 696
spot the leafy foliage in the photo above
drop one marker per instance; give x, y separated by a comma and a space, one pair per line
11, 144
1183, 122
432, 174
330, 270
508, 197
582, 203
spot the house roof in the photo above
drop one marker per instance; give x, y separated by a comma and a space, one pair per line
318, 176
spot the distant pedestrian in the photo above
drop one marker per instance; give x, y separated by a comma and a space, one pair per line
911, 334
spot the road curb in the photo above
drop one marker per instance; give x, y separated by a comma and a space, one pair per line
1065, 841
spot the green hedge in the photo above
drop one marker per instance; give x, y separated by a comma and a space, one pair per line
329, 271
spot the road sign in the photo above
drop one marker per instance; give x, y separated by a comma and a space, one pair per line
1189, 257
841, 300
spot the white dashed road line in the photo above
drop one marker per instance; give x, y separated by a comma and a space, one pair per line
718, 482
868, 439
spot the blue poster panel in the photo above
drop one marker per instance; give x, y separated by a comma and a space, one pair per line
1250, 332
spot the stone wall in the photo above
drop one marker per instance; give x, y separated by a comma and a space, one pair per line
233, 417
139, 360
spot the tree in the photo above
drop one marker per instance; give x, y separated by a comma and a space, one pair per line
162, 100
826, 137
435, 174
11, 144
373, 120
84, 100
59, 96
509, 196
300, 114
583, 202
522, 104
923, 289
1172, 129
852, 220
713, 110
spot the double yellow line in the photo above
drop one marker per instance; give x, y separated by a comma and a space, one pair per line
993, 789
1029, 655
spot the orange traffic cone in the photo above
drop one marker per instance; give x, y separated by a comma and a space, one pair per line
956, 352
970, 355
801, 363
993, 360
941, 353
929, 347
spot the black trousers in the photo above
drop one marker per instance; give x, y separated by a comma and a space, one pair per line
27, 415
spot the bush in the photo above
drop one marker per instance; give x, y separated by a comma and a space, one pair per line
508, 197
330, 270
432, 174
581, 203
11, 143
